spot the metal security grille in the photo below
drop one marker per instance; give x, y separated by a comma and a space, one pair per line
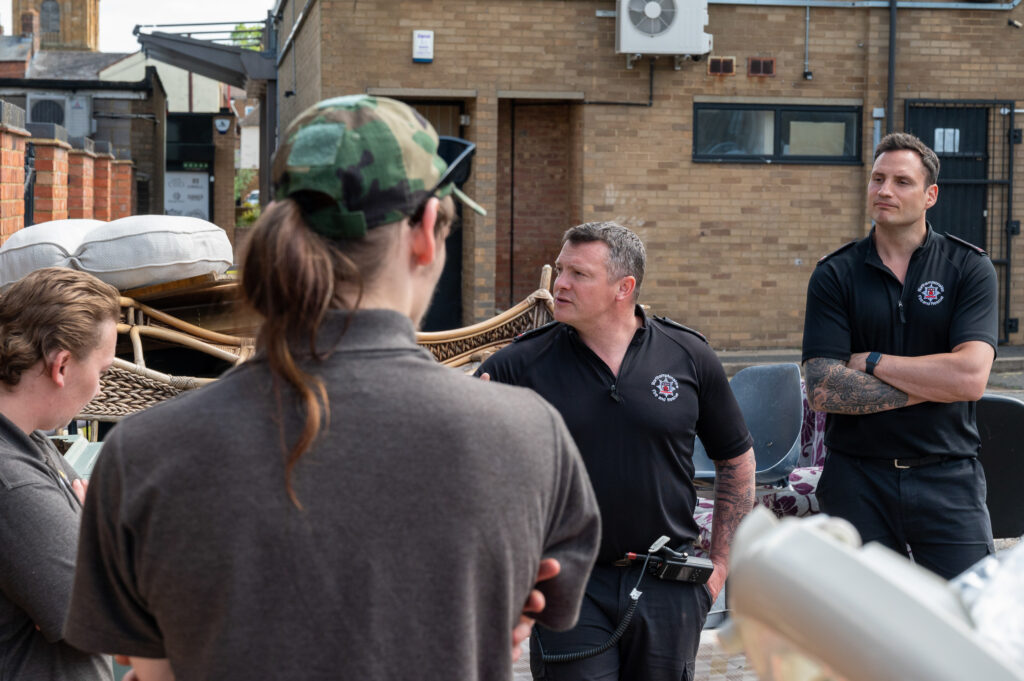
974, 142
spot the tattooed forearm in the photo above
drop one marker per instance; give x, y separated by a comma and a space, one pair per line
834, 388
734, 497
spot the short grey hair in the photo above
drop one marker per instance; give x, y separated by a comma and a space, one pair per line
626, 253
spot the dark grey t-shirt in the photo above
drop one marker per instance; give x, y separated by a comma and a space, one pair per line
39, 517
427, 504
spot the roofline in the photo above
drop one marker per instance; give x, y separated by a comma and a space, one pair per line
225, 63
29, 84
74, 85
118, 61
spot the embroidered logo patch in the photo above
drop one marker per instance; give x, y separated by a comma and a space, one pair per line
666, 388
930, 293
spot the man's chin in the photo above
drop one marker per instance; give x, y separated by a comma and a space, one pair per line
562, 313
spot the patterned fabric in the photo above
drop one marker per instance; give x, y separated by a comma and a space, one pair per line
373, 160
797, 498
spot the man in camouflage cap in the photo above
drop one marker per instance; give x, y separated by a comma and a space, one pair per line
357, 512
365, 161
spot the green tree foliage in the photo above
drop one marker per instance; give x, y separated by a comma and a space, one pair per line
248, 37
243, 178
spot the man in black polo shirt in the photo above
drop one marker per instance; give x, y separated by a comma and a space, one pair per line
634, 391
899, 338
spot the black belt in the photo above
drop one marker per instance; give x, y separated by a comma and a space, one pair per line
916, 461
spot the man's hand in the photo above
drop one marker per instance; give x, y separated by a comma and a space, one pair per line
548, 568
717, 579
145, 669
858, 361
79, 487
485, 376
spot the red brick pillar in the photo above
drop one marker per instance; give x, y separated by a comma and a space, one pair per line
81, 162
51, 192
121, 177
12, 169
101, 176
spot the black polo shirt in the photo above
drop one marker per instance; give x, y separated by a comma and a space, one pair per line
856, 304
635, 431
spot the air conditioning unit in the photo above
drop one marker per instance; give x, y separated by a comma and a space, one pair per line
73, 112
673, 27
47, 109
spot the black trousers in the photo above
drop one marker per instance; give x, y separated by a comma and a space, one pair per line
938, 510
659, 645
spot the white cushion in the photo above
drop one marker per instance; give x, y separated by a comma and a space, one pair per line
48, 244
150, 249
135, 251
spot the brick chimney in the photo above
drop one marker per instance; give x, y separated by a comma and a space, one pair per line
30, 27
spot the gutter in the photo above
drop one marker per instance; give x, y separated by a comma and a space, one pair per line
299, 21
881, 4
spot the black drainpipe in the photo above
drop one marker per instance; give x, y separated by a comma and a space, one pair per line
890, 119
512, 212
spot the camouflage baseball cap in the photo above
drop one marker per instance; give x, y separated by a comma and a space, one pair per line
375, 160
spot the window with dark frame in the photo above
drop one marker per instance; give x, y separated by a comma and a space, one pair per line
722, 66
779, 133
761, 66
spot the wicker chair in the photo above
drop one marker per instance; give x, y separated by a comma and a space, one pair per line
131, 386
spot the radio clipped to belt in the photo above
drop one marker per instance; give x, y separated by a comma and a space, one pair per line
663, 563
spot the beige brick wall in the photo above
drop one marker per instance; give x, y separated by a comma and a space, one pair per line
731, 245
300, 70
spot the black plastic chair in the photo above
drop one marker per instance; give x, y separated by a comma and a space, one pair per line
1001, 426
771, 400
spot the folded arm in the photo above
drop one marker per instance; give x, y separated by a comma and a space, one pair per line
957, 376
734, 497
835, 388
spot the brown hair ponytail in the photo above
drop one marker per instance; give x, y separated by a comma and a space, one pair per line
292, 277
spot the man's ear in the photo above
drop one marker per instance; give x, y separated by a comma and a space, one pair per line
931, 195
57, 366
424, 241
626, 287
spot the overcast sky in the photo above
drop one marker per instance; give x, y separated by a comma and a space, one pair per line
119, 17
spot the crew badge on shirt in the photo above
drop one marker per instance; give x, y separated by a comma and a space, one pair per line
665, 388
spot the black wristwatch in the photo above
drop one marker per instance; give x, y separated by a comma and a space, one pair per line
872, 362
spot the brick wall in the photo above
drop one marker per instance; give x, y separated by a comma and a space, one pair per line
101, 187
224, 173
81, 184
13, 69
12, 180
50, 200
300, 70
121, 185
534, 156
148, 150
731, 246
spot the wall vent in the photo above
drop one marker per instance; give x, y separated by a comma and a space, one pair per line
761, 66
722, 66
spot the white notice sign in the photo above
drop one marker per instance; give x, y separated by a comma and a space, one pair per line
423, 46
187, 194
